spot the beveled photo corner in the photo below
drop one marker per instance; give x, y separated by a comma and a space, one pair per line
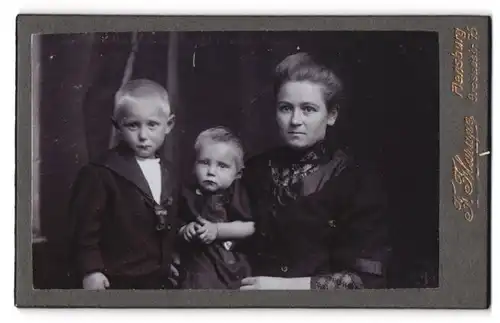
244, 160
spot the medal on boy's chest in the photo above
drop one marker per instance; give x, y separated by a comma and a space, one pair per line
161, 216
161, 213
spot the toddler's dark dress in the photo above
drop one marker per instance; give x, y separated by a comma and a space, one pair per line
218, 265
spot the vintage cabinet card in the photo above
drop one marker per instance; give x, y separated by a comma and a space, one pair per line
197, 161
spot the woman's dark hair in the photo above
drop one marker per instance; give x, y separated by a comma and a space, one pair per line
301, 67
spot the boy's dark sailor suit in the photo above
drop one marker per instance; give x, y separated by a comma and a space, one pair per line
121, 230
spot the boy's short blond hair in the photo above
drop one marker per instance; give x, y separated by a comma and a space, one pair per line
223, 135
141, 90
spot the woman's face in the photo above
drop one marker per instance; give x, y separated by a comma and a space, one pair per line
302, 114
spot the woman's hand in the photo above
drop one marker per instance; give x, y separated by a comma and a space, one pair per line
264, 282
269, 283
95, 281
207, 232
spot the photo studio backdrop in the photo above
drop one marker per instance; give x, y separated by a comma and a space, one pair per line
390, 119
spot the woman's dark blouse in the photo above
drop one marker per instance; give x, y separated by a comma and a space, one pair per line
329, 225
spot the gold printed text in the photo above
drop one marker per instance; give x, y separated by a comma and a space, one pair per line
465, 62
459, 39
465, 172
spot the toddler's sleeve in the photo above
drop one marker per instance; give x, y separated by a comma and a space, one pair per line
240, 203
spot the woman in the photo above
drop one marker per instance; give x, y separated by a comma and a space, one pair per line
318, 215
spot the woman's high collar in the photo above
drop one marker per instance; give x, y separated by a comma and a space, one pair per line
316, 154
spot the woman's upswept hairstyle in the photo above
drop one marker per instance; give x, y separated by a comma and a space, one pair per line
301, 67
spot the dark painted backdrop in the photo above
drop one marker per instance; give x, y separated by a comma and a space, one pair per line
389, 118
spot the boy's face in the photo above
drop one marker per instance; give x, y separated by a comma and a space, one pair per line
215, 166
143, 127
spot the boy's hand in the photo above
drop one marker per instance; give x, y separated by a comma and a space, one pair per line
189, 231
207, 233
95, 281
174, 270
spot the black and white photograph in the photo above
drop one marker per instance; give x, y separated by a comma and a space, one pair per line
235, 160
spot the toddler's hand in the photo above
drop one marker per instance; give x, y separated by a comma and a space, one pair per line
95, 281
207, 233
190, 231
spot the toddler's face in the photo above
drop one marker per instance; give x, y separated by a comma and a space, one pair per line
215, 167
143, 127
